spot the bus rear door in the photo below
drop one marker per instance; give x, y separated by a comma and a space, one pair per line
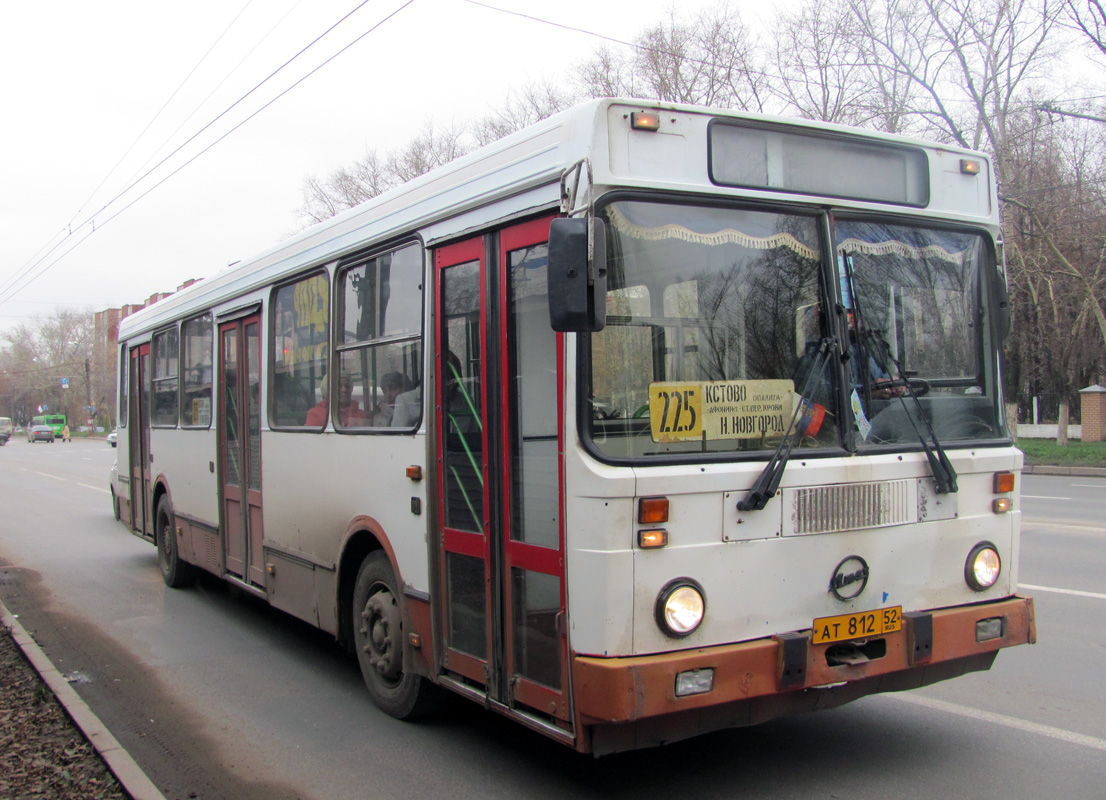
240, 447
139, 442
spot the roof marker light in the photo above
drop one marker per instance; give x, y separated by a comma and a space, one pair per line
645, 121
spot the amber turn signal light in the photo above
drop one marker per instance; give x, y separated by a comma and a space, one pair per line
1004, 482
652, 510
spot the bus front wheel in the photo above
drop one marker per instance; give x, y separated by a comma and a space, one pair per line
378, 639
174, 570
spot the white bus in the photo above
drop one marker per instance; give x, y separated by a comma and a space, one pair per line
645, 421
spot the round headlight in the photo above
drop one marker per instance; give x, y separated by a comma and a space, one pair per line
983, 566
680, 607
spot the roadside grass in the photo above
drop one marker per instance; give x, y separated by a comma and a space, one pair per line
1077, 453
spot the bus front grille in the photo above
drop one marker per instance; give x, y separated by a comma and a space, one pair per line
843, 507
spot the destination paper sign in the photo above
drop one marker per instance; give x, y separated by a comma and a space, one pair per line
697, 410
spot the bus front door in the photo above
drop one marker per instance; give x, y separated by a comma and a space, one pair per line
240, 447
498, 415
139, 442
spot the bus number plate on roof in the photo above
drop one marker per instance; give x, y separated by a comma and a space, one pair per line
857, 626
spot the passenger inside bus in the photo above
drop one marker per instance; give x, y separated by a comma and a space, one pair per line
391, 386
350, 413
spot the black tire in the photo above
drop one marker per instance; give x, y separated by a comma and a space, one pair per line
174, 571
378, 639
115, 505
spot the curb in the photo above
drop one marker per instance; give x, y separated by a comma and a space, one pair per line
1079, 472
119, 761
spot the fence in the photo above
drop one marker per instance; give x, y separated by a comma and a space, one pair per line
1044, 409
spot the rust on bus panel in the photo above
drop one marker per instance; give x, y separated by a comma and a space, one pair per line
634, 689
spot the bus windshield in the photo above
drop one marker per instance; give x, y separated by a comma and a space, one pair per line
917, 318
715, 317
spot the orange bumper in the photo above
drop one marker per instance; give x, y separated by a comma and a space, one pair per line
932, 646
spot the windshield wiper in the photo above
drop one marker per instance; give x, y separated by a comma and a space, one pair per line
765, 486
944, 476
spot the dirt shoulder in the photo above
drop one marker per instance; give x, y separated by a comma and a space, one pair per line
43, 754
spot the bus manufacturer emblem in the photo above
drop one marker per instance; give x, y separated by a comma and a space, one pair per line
849, 578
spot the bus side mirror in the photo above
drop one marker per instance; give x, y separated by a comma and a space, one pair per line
577, 285
1002, 309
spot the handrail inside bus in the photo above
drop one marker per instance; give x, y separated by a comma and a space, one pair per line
468, 502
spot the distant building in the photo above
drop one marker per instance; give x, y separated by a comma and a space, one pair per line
106, 332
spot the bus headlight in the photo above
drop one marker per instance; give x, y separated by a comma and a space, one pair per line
680, 607
982, 567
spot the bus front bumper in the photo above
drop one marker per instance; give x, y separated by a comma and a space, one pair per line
767, 678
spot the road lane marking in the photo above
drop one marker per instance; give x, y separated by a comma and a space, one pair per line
95, 488
48, 475
1088, 485
1001, 719
1076, 592
1042, 497
1052, 523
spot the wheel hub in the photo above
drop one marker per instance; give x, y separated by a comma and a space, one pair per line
380, 630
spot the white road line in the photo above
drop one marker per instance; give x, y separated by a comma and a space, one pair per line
1055, 526
1043, 497
1076, 592
95, 488
1001, 719
48, 475
1088, 485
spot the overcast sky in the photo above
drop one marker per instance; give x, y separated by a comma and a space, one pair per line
94, 95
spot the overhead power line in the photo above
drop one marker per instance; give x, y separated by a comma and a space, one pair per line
24, 277
159, 112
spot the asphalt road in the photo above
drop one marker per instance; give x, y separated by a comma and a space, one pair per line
218, 696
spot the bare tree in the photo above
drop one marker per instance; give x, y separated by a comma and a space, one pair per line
1089, 17
970, 63
522, 108
46, 355
821, 63
372, 175
1055, 217
432, 147
706, 60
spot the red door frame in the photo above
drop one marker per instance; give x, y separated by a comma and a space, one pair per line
497, 466
454, 540
519, 554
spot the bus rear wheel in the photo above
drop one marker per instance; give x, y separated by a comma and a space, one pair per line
174, 570
378, 639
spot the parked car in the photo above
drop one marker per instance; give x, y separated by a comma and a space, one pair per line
111, 439
6, 430
40, 433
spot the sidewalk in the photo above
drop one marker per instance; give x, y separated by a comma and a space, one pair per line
1077, 471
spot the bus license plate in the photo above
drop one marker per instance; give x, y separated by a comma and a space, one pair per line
857, 626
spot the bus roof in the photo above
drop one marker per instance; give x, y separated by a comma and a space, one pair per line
522, 173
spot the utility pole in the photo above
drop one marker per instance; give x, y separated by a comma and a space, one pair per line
1048, 108
87, 394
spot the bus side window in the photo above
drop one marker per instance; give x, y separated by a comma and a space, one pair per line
380, 345
301, 352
